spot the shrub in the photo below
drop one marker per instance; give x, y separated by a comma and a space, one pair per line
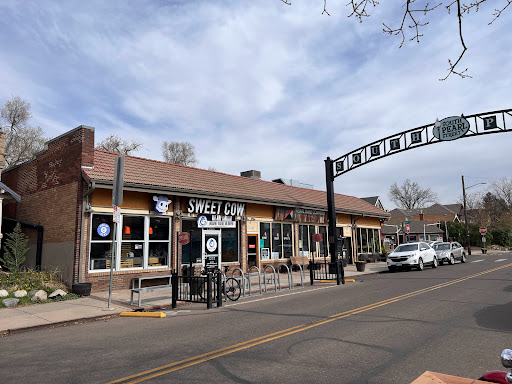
15, 249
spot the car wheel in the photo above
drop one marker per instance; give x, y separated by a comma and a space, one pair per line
434, 262
392, 269
463, 259
420, 264
451, 260
441, 262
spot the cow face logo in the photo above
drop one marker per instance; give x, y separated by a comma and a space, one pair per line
162, 203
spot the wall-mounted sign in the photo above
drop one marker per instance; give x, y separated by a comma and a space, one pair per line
161, 203
281, 214
216, 221
184, 238
211, 244
103, 229
451, 128
318, 237
310, 216
215, 207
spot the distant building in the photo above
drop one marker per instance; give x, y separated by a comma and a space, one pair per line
293, 183
374, 200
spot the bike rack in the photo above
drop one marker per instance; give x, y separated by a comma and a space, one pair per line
265, 277
301, 274
249, 279
290, 278
241, 277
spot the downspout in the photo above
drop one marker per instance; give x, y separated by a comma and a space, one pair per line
92, 187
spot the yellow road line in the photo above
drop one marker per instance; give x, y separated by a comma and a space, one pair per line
142, 314
169, 368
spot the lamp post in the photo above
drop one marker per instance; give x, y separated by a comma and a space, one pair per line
466, 212
424, 226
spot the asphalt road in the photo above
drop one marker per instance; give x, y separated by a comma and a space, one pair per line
386, 328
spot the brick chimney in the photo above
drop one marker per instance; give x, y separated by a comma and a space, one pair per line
422, 216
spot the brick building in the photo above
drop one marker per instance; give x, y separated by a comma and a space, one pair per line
232, 220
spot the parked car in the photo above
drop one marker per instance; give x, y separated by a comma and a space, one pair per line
412, 255
450, 252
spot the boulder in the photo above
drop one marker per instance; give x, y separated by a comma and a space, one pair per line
3, 293
32, 292
20, 293
10, 302
40, 296
57, 293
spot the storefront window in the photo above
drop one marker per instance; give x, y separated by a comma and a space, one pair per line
192, 249
229, 245
277, 248
140, 241
322, 245
368, 240
304, 240
265, 240
101, 241
287, 241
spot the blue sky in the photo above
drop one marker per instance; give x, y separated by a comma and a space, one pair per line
263, 85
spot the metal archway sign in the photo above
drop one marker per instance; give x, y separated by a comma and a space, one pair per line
447, 129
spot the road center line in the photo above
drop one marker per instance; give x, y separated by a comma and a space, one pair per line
169, 368
477, 261
500, 260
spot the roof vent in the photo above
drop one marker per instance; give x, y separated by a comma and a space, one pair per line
251, 174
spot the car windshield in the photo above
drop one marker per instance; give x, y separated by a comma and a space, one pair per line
406, 248
441, 247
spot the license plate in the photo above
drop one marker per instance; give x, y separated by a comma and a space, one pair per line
398, 264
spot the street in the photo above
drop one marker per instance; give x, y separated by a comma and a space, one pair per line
384, 328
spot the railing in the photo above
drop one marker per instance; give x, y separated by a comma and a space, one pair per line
290, 278
301, 273
270, 278
327, 271
197, 289
249, 279
240, 279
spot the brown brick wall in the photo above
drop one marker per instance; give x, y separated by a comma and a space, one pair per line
52, 187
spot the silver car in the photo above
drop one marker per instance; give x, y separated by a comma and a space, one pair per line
450, 252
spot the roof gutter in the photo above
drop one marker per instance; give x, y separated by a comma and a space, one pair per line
205, 194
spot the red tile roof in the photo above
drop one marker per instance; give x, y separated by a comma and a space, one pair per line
146, 173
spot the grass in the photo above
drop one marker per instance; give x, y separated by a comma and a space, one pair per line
30, 280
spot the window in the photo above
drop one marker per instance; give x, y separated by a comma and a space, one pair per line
141, 242
287, 241
368, 240
277, 248
303, 241
278, 238
229, 245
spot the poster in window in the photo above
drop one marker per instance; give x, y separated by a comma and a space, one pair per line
265, 254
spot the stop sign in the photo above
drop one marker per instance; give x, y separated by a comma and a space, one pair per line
483, 230
408, 229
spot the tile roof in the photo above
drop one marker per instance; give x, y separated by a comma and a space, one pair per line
146, 173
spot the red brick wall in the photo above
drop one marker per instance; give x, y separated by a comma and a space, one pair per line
52, 187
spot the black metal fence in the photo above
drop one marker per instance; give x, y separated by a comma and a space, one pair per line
327, 271
197, 289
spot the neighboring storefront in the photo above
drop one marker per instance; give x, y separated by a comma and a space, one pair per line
229, 220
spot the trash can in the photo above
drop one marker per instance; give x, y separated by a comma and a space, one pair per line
360, 266
484, 250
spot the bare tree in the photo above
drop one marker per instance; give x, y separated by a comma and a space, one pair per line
22, 141
114, 143
503, 189
179, 153
415, 16
410, 195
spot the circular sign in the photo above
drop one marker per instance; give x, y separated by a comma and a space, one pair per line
202, 221
184, 238
211, 244
103, 229
451, 128
317, 237
483, 230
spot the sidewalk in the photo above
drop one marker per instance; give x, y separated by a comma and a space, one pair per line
90, 308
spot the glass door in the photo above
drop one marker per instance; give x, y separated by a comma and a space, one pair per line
211, 249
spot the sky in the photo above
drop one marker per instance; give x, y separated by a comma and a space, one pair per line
262, 85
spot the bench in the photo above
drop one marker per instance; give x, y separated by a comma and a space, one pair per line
146, 289
140, 279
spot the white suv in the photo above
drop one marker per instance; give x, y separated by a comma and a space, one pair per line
412, 255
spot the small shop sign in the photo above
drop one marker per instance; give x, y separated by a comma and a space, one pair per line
216, 221
184, 238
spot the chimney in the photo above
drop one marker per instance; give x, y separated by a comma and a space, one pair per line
251, 174
422, 216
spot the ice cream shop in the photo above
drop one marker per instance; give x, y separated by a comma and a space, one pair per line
172, 216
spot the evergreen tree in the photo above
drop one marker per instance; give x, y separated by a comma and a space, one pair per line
15, 249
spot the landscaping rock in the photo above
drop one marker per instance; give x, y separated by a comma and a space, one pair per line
32, 292
3, 293
58, 292
39, 296
20, 293
10, 302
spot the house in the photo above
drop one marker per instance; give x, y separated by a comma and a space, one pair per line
234, 221
395, 233
374, 200
433, 214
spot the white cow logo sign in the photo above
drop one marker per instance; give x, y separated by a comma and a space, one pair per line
162, 203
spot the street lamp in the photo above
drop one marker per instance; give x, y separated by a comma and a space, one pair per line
424, 226
397, 230
466, 212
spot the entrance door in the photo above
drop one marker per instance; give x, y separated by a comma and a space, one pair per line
252, 251
211, 249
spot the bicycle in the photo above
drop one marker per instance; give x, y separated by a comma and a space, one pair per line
230, 286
